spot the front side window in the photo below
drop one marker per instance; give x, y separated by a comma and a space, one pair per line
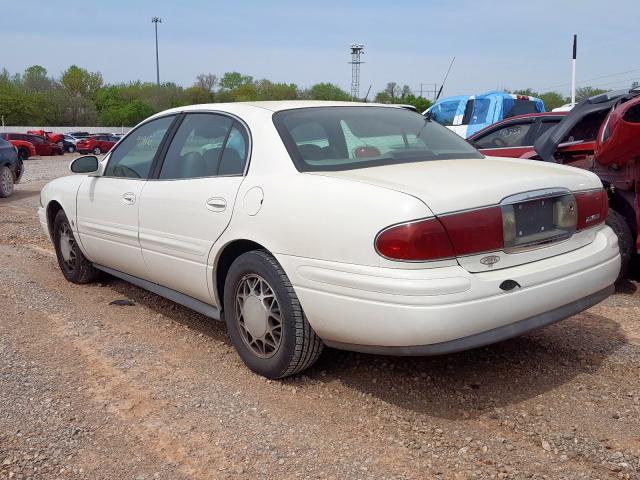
344, 138
135, 154
509, 136
202, 146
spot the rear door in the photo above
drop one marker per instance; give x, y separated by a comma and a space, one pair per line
107, 211
189, 202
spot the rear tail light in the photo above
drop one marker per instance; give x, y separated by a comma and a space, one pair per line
449, 236
493, 228
415, 241
592, 208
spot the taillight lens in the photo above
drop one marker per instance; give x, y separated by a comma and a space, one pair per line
415, 241
592, 208
475, 231
449, 236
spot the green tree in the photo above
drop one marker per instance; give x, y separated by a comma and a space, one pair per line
197, 94
232, 80
326, 91
419, 102
81, 82
553, 100
267, 90
35, 79
583, 93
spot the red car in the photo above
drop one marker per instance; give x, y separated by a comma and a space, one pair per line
42, 146
96, 144
50, 136
601, 134
25, 149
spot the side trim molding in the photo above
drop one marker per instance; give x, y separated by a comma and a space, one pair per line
185, 300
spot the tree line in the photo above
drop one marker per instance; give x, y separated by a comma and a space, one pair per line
81, 97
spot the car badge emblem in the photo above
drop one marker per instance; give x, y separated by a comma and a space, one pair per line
490, 260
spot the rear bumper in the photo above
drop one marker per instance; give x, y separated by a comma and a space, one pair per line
446, 309
485, 338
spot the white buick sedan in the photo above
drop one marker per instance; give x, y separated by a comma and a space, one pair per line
357, 226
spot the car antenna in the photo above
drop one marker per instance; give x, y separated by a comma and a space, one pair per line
445, 79
367, 95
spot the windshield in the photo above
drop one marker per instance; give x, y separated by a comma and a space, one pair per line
345, 138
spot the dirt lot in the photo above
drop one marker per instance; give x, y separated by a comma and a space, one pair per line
91, 390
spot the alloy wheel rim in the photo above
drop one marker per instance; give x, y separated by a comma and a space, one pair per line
258, 315
67, 246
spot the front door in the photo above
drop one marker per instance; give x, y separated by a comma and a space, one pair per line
189, 204
107, 207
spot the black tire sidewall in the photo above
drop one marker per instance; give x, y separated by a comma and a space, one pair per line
23, 153
70, 275
275, 366
618, 224
2, 172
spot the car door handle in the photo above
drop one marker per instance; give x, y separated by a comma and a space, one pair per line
217, 204
129, 198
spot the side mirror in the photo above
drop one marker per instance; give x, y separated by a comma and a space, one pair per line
85, 164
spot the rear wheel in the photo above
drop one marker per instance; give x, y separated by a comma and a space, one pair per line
71, 149
74, 265
23, 153
6, 182
265, 320
97, 151
625, 240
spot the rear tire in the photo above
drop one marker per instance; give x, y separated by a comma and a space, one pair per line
6, 182
265, 320
97, 151
625, 240
71, 149
23, 154
74, 265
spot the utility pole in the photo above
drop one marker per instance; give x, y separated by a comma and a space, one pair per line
573, 70
156, 21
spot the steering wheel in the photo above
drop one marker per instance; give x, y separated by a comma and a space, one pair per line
499, 142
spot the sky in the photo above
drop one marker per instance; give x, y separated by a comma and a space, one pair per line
496, 44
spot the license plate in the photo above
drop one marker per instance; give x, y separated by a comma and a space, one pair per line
539, 221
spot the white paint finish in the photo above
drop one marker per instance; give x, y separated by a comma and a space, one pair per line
322, 226
178, 229
351, 316
108, 225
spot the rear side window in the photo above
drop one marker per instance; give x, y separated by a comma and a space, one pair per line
205, 145
135, 154
508, 136
521, 107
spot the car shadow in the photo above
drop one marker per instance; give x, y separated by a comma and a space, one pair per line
466, 384
455, 386
19, 194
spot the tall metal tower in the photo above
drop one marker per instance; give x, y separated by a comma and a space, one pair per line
155, 21
356, 50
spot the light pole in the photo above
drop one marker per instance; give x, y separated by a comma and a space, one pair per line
156, 21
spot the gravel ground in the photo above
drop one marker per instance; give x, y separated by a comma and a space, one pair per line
94, 391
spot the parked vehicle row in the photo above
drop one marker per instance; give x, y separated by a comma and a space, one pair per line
40, 142
425, 246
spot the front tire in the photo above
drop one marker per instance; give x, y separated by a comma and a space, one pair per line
265, 320
74, 265
625, 240
71, 149
6, 182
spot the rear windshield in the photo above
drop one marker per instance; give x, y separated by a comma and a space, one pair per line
345, 138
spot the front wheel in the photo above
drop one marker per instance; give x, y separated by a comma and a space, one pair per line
74, 265
264, 318
6, 182
71, 149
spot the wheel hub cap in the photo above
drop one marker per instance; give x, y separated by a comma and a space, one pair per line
258, 316
67, 244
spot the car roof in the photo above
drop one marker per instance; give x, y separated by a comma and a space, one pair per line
273, 106
516, 118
